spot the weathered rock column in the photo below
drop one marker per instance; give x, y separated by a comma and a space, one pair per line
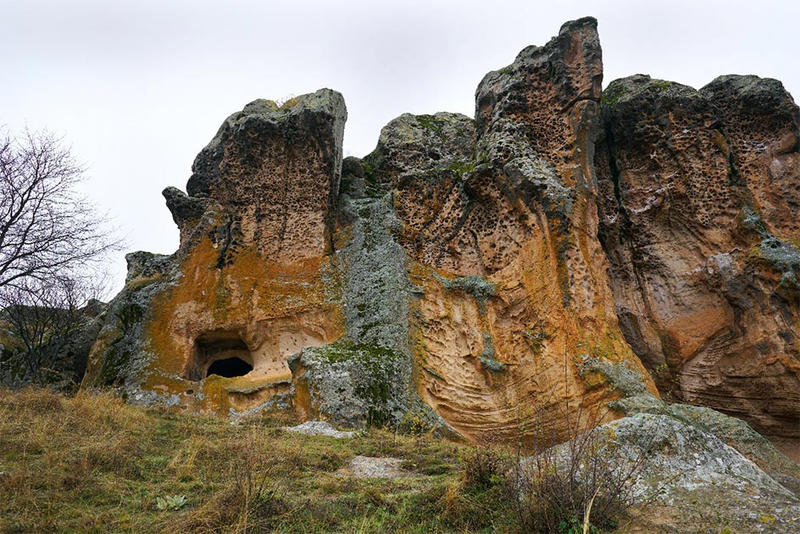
514, 304
700, 210
212, 326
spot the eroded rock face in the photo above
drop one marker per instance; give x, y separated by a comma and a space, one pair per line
762, 126
696, 229
477, 274
252, 282
497, 215
275, 174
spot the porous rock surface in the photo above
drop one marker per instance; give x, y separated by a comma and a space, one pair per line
563, 247
253, 277
698, 221
496, 216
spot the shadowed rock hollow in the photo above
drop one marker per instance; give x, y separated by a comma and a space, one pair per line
566, 247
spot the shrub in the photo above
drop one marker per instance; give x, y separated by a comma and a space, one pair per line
486, 464
579, 486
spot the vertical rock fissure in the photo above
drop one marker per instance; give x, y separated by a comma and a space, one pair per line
612, 163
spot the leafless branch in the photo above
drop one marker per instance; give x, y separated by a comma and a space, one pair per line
52, 246
47, 229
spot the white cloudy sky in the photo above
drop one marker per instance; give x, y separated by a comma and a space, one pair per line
138, 87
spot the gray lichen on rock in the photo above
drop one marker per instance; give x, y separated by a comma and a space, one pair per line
487, 358
423, 145
376, 284
687, 468
265, 115
354, 385
475, 286
779, 255
619, 375
365, 379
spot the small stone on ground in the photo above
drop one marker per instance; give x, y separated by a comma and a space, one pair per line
319, 428
367, 467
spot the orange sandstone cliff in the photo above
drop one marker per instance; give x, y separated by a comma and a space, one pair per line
699, 223
566, 249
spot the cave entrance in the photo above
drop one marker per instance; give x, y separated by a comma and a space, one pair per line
221, 353
229, 368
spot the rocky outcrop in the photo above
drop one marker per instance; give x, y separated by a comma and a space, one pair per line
252, 282
685, 478
698, 236
497, 215
560, 249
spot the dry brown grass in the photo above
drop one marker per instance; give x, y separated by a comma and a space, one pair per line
55, 447
91, 463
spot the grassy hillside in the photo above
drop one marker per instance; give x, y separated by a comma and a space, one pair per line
92, 463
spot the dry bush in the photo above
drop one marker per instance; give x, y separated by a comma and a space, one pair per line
253, 494
486, 463
579, 486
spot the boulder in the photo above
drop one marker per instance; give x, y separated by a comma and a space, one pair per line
684, 479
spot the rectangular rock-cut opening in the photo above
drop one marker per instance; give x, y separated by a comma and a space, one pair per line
219, 352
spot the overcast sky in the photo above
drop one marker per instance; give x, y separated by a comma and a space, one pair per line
139, 87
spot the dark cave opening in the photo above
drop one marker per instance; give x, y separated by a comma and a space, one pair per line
229, 368
219, 352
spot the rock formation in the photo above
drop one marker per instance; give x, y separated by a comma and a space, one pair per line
687, 478
553, 253
251, 282
498, 215
698, 222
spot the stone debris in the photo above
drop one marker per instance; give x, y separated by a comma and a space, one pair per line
319, 428
369, 467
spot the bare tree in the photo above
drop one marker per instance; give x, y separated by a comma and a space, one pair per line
52, 244
47, 228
